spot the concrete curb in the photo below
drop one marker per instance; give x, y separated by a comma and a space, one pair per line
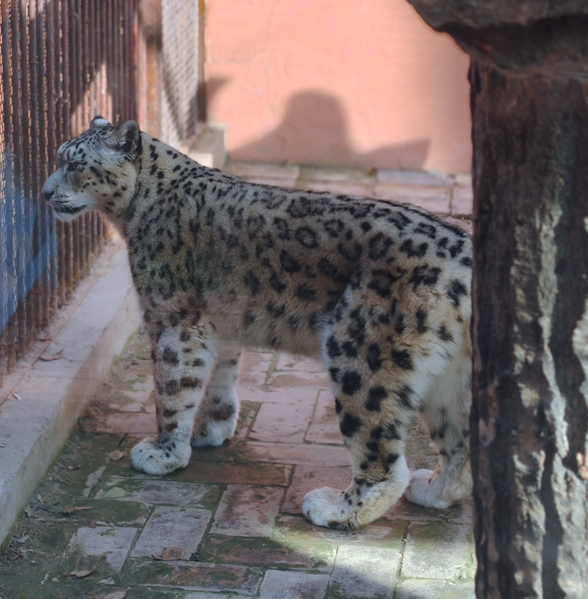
49, 396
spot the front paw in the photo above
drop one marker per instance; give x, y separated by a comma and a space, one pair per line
148, 457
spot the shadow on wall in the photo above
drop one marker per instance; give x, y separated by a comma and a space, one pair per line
314, 131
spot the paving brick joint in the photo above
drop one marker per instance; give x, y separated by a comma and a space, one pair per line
229, 525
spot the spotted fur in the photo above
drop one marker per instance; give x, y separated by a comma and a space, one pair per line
379, 291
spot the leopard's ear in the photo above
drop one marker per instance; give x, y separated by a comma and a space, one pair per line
98, 122
129, 139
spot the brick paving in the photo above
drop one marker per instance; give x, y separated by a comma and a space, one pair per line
230, 525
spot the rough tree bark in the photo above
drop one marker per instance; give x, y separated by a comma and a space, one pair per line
529, 417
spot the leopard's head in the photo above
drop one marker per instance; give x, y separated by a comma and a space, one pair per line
95, 171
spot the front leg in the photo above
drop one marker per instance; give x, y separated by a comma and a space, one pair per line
183, 359
217, 415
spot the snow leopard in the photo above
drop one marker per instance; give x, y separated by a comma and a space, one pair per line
379, 291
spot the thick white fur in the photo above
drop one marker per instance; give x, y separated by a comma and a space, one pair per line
329, 507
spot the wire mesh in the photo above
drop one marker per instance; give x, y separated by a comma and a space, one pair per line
61, 63
180, 55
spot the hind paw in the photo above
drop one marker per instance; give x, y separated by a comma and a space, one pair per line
214, 433
423, 490
327, 507
358, 505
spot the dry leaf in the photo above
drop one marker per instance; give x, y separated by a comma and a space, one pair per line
117, 595
17, 396
13, 554
81, 573
74, 467
116, 455
70, 509
170, 554
114, 493
50, 357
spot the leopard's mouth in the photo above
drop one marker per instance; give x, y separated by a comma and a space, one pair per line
66, 210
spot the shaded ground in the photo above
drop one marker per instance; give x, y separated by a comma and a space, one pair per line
228, 525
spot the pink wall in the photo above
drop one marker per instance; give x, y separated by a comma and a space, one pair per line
337, 83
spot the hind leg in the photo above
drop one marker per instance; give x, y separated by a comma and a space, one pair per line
217, 415
375, 487
445, 414
375, 400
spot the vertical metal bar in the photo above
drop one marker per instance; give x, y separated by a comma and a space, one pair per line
136, 54
35, 159
106, 98
88, 49
73, 233
28, 162
113, 60
69, 74
90, 25
5, 340
126, 57
48, 128
54, 135
99, 11
75, 99
80, 49
44, 223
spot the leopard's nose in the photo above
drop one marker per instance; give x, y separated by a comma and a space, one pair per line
47, 191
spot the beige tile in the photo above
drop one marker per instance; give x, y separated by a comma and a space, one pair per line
302, 454
293, 585
247, 511
168, 527
282, 422
364, 573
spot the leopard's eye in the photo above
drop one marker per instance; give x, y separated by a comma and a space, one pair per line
72, 166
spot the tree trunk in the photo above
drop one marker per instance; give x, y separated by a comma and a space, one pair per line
529, 417
529, 420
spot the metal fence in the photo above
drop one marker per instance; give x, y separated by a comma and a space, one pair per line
61, 63
179, 118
